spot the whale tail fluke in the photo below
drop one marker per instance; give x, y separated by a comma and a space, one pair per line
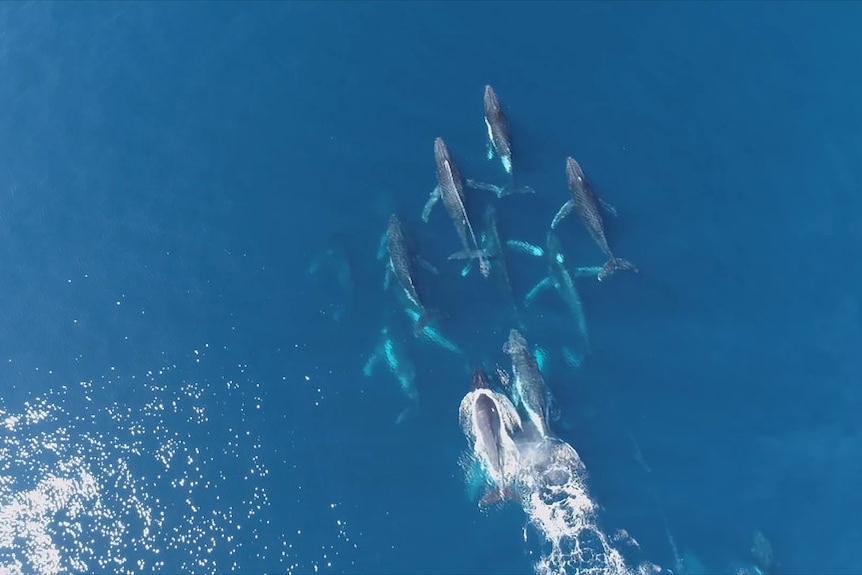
424, 319
615, 264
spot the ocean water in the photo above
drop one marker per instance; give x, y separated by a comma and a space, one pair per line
180, 394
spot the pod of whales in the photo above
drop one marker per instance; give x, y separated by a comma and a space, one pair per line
510, 442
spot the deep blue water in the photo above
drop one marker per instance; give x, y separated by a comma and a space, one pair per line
169, 170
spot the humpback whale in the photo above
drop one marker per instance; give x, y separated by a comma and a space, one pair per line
390, 351
498, 130
450, 189
587, 204
560, 279
499, 144
400, 264
488, 419
529, 390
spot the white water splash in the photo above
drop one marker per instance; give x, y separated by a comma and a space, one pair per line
558, 505
550, 479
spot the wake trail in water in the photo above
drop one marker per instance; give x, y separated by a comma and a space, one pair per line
548, 478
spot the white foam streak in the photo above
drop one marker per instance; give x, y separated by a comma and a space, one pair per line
560, 509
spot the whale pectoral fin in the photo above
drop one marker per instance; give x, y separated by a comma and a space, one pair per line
429, 205
382, 247
387, 277
571, 358
609, 208
471, 254
517, 401
485, 187
408, 413
314, 265
427, 265
371, 364
513, 189
527, 248
554, 411
541, 355
490, 153
564, 211
587, 271
483, 240
540, 287
338, 314
466, 271
507, 164
449, 346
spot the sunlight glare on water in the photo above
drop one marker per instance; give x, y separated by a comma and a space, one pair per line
169, 479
